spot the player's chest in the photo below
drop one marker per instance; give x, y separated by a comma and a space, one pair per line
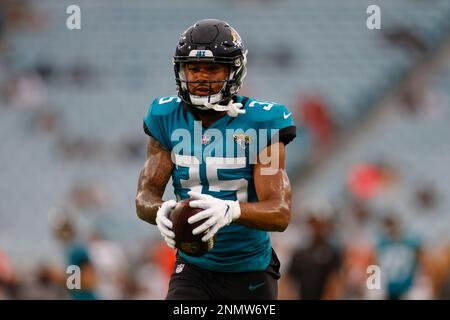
227, 140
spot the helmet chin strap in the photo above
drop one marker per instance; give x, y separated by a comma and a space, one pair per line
199, 101
233, 109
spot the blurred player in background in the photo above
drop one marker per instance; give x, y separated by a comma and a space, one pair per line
399, 256
242, 197
315, 268
76, 254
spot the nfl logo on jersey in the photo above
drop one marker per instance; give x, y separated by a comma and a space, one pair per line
206, 139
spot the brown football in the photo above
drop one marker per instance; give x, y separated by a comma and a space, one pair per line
184, 239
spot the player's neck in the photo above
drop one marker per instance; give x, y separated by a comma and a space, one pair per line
208, 117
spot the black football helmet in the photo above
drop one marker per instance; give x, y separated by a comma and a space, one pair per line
210, 40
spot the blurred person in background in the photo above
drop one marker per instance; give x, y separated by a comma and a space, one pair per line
26, 91
110, 264
313, 111
370, 180
435, 262
406, 38
399, 258
315, 268
46, 284
426, 198
7, 278
443, 287
354, 227
165, 257
155, 266
76, 254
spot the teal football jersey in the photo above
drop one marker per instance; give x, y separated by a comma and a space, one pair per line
219, 161
399, 262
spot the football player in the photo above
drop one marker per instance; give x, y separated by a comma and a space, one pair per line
227, 152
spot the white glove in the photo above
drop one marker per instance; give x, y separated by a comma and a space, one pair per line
164, 224
232, 109
218, 213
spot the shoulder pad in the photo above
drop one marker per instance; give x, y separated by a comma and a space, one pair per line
162, 106
266, 111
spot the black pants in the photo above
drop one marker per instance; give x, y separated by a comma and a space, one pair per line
189, 282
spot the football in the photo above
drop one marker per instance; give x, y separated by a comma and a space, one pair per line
184, 239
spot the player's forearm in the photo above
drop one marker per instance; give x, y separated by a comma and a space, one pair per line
152, 181
147, 205
269, 215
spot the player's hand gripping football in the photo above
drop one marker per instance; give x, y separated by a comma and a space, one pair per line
218, 213
164, 224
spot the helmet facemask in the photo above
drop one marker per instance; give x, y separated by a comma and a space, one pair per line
231, 85
199, 101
